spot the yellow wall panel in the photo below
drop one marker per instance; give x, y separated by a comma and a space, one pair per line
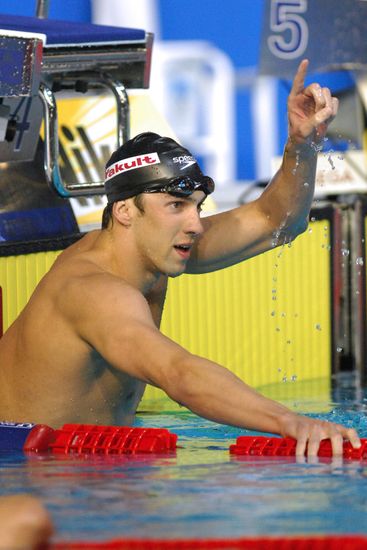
19, 276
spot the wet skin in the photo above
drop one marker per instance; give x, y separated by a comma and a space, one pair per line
49, 373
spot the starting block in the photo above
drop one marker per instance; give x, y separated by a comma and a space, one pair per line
41, 57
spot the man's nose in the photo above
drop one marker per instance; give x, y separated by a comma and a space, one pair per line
194, 224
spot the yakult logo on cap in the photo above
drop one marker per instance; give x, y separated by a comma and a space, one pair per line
131, 163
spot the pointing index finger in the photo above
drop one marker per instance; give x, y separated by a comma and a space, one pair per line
299, 79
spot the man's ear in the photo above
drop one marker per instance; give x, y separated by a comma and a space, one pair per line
122, 212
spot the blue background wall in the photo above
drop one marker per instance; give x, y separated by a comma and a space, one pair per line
72, 10
234, 26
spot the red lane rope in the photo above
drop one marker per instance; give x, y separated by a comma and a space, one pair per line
333, 542
109, 440
286, 446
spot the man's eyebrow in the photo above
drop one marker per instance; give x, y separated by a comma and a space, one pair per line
191, 199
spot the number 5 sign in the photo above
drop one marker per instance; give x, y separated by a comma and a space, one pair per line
330, 33
290, 31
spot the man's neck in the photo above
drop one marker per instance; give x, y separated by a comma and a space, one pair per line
124, 260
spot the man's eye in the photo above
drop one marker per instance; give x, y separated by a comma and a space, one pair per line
177, 204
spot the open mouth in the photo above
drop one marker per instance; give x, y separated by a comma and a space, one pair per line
183, 249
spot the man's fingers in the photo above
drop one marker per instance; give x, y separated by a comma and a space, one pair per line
313, 440
351, 434
337, 444
321, 96
301, 446
299, 79
313, 445
335, 105
324, 115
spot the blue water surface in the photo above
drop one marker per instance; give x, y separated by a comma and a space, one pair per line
200, 491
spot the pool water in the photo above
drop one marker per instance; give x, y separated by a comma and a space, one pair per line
200, 490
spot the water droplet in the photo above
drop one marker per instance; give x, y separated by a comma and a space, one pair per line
345, 252
272, 313
359, 261
294, 171
283, 314
339, 349
313, 219
306, 184
310, 230
277, 329
284, 379
316, 146
318, 327
330, 160
289, 341
294, 377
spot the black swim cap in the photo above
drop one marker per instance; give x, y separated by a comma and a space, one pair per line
146, 161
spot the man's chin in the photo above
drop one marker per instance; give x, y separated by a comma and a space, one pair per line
176, 273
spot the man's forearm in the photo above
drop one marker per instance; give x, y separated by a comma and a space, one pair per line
287, 200
215, 393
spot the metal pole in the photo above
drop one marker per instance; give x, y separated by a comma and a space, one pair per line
42, 9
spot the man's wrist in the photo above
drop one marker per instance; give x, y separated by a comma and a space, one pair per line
305, 149
285, 420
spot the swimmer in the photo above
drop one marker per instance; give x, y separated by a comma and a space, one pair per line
24, 523
88, 341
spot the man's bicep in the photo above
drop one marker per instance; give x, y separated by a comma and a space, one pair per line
121, 329
143, 352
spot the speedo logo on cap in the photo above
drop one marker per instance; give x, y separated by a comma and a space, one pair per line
131, 163
186, 160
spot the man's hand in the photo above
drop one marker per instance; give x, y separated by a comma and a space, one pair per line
310, 432
310, 109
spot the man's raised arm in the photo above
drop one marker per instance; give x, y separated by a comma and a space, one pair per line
281, 212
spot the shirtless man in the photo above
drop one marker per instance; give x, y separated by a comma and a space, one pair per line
88, 341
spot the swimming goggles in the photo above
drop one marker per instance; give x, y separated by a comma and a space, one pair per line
183, 186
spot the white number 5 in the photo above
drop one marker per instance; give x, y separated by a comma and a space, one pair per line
285, 19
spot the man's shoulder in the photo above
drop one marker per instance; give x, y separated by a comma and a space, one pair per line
79, 279
98, 282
